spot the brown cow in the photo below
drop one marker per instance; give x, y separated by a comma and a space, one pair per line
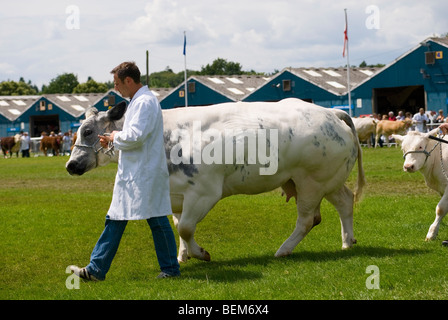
11, 145
53, 143
388, 127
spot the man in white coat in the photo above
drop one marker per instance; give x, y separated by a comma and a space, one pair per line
141, 189
420, 120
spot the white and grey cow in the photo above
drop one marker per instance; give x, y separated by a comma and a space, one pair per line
423, 154
307, 150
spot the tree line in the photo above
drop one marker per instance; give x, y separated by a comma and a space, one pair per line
68, 82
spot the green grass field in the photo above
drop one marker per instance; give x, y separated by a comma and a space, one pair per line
50, 220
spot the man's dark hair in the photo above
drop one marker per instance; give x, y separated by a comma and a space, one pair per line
127, 69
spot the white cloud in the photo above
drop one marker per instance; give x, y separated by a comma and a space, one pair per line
261, 35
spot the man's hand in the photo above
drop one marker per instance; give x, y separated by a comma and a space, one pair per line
444, 128
104, 140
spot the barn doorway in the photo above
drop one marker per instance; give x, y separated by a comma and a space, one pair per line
38, 124
406, 99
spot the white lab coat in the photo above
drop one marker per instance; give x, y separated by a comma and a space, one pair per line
418, 120
141, 189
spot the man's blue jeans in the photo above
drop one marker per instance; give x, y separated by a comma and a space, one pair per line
107, 246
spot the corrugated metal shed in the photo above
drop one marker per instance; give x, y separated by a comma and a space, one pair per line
74, 104
207, 90
323, 86
30, 113
334, 80
11, 107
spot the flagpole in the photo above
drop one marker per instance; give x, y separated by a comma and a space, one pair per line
348, 66
185, 72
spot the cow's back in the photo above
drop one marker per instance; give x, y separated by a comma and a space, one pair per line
311, 140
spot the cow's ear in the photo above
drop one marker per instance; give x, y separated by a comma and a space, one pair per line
117, 112
92, 111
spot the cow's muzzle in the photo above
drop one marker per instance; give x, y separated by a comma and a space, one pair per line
409, 168
74, 168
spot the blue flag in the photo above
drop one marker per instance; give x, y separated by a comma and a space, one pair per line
185, 42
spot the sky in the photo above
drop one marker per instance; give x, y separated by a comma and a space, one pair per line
40, 40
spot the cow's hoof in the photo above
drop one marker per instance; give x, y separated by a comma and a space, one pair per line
202, 255
182, 258
205, 255
282, 253
349, 245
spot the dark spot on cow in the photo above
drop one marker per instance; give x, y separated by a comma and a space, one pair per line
291, 134
189, 169
186, 168
329, 131
191, 182
183, 125
316, 142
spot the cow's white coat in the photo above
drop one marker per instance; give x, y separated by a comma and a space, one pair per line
431, 168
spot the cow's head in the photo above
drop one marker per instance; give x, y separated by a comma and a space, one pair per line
417, 147
17, 138
87, 153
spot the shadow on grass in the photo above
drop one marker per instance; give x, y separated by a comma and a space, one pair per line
235, 269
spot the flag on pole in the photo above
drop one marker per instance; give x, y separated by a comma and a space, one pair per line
185, 71
345, 38
348, 64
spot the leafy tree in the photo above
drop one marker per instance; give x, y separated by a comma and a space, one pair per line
91, 86
64, 83
166, 78
13, 88
365, 65
222, 67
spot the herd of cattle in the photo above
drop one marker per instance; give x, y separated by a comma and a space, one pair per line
11, 145
368, 127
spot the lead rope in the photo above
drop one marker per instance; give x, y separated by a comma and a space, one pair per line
110, 147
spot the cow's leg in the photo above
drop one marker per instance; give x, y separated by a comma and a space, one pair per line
183, 252
195, 208
343, 202
441, 210
308, 211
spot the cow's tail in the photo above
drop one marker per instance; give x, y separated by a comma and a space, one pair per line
361, 175
361, 181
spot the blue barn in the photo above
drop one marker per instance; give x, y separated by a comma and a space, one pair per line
326, 87
207, 90
416, 79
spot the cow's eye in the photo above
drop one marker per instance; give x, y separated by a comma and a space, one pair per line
87, 132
